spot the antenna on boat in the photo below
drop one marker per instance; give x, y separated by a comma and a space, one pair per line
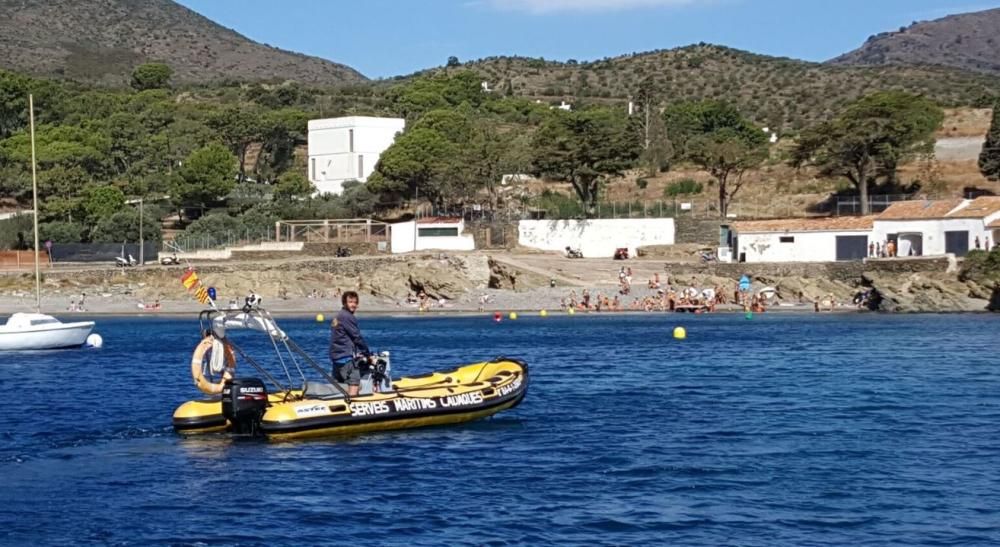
34, 203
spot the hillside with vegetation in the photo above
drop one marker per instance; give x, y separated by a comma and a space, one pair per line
780, 93
237, 153
102, 41
967, 41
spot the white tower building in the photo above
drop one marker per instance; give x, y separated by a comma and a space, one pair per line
343, 149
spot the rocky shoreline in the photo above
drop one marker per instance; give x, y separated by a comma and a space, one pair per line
457, 282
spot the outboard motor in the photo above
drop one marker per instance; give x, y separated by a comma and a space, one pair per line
244, 401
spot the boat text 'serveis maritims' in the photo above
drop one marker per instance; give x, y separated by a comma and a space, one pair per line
321, 408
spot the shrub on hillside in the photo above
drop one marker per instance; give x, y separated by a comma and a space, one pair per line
682, 187
214, 224
558, 205
61, 232
124, 226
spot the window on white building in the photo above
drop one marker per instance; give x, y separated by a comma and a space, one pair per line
361, 166
312, 168
787, 239
350, 140
437, 232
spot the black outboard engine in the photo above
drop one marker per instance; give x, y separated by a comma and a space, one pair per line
244, 401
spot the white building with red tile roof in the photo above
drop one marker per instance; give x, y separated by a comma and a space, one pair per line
826, 239
937, 227
916, 228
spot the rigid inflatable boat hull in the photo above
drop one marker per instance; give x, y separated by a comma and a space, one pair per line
446, 397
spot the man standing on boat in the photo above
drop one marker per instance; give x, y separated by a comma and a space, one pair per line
347, 344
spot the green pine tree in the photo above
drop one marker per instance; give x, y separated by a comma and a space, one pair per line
989, 158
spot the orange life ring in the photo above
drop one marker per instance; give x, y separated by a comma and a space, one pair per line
197, 366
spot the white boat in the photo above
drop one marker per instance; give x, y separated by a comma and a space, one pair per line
28, 331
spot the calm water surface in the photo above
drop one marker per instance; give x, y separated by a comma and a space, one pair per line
780, 430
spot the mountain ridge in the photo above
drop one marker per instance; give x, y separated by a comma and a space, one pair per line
101, 41
968, 41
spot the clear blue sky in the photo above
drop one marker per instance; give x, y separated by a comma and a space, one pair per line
384, 38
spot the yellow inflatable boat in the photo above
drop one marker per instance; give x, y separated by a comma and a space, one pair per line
245, 405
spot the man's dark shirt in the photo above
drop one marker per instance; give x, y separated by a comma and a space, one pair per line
345, 337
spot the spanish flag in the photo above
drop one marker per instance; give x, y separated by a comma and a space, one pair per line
189, 279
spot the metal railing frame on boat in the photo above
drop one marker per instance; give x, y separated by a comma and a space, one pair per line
208, 316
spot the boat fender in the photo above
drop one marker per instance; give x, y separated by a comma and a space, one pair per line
197, 366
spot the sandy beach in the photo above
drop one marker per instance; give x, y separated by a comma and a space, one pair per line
531, 301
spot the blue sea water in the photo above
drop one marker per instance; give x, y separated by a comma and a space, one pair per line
785, 429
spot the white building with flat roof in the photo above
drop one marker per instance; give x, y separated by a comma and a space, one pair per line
431, 233
343, 149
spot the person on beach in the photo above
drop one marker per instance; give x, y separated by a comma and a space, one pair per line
655, 282
347, 346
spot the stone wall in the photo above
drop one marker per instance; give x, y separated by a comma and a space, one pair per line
908, 265
357, 248
848, 272
697, 230
263, 255
496, 235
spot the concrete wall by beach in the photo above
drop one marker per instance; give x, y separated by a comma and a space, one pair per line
261, 251
596, 237
406, 238
803, 247
932, 231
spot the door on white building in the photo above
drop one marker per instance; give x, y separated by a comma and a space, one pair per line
911, 242
995, 240
956, 242
852, 247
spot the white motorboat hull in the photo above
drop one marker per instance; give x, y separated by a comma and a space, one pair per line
49, 336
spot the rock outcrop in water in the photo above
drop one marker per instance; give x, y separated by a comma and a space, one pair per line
925, 292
